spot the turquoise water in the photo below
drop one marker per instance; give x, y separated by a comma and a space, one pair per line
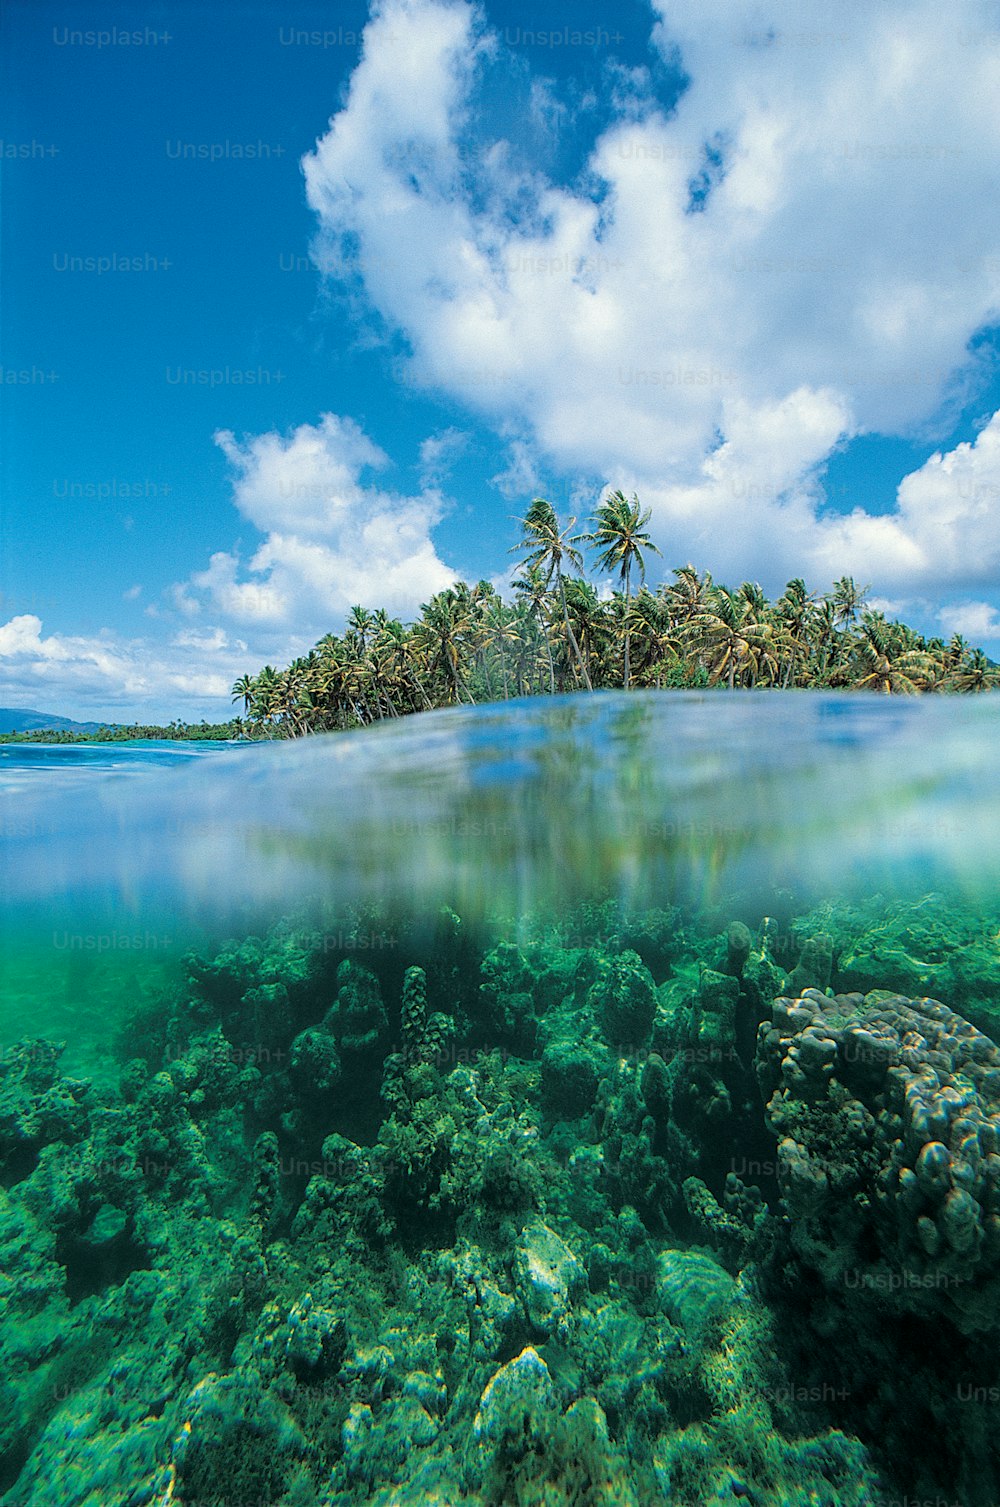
542, 803
413, 1115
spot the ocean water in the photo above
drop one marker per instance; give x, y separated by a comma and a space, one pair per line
590, 1100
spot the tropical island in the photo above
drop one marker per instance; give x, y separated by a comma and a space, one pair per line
560, 633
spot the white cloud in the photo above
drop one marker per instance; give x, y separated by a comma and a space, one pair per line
104, 676
828, 285
305, 484
976, 621
438, 454
211, 640
331, 539
945, 530
522, 476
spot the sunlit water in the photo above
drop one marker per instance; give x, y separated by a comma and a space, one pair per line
651, 797
73, 957
119, 860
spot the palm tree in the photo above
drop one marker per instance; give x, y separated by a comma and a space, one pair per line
498, 632
360, 622
404, 659
952, 656
650, 623
267, 698
975, 673
590, 622
731, 640
794, 610
444, 620
689, 594
533, 590
549, 548
848, 599
824, 629
883, 665
619, 534
245, 687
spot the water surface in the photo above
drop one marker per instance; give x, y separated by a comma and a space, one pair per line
413, 1115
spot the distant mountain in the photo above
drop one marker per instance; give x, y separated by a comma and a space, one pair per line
21, 719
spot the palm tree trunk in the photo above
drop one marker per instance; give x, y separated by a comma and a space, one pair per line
455, 681
571, 634
627, 633
548, 653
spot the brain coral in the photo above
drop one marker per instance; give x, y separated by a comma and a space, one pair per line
887, 1112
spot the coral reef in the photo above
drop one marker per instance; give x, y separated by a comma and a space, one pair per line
887, 1112
932, 946
492, 1222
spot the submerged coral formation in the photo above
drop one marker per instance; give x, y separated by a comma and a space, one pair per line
887, 1112
617, 1214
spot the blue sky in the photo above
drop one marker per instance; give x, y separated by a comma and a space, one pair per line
301, 305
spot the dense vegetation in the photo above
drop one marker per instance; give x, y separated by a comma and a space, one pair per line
118, 733
559, 634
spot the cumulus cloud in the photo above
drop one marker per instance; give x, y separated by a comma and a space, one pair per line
93, 676
945, 529
332, 538
977, 621
800, 252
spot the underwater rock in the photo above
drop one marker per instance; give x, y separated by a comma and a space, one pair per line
358, 1455
357, 1018
734, 1228
343, 1205
887, 1112
713, 1100
107, 1228
494, 1315
516, 1404
762, 979
498, 1171
267, 1018
313, 1062
547, 1275
316, 1341
635, 1167
739, 940
655, 1086
242, 1442
575, 1464
425, 1041
915, 948
815, 964
570, 1075
623, 998
266, 1171
37, 1106
508, 979
713, 1030
693, 1289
